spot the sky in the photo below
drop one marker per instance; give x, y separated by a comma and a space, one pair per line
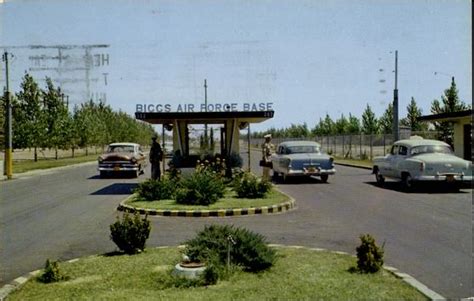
308, 58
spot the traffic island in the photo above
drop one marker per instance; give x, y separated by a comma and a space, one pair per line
277, 202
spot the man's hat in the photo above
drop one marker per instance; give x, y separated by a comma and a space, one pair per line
154, 137
267, 136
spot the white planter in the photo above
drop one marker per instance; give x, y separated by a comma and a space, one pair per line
190, 272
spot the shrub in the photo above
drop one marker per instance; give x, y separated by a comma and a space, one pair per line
152, 190
210, 275
51, 273
247, 249
369, 255
202, 188
130, 234
250, 186
234, 160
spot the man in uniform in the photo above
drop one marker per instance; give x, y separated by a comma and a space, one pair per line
267, 151
156, 155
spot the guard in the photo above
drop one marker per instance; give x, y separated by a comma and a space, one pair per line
267, 151
156, 155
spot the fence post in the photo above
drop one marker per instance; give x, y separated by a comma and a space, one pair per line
384, 144
343, 150
360, 146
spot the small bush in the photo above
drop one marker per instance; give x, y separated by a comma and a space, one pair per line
153, 190
234, 160
51, 273
130, 234
210, 275
247, 249
369, 255
202, 188
250, 186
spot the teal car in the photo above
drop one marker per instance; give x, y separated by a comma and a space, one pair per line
301, 159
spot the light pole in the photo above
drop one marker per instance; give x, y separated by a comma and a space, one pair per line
8, 124
396, 134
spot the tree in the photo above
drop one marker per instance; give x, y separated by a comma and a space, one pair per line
386, 121
411, 120
369, 122
56, 117
353, 125
450, 103
29, 123
341, 125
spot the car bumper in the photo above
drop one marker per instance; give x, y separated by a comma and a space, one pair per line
320, 172
118, 168
444, 178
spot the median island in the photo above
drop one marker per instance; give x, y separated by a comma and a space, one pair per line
207, 192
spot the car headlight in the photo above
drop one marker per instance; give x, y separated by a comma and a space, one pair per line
134, 160
100, 159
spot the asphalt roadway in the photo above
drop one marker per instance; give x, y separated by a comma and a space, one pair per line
66, 213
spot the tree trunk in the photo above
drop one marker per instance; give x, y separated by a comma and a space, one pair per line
73, 151
36, 154
56, 153
87, 151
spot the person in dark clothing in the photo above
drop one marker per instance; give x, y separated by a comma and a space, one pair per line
156, 155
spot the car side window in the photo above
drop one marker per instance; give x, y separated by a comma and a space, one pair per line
394, 150
403, 150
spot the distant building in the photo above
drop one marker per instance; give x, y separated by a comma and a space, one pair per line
462, 122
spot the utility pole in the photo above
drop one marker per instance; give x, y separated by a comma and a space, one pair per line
8, 124
396, 135
205, 103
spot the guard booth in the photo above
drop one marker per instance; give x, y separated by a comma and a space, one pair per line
231, 122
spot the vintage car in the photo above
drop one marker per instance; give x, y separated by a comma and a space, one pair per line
417, 159
301, 158
121, 158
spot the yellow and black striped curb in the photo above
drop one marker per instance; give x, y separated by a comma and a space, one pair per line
432, 295
282, 207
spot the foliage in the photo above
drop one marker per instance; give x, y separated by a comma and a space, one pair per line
130, 234
450, 102
247, 249
204, 187
154, 190
210, 275
51, 273
250, 186
386, 121
353, 125
369, 122
369, 255
411, 120
234, 160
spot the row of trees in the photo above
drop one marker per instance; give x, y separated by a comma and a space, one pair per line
370, 124
41, 119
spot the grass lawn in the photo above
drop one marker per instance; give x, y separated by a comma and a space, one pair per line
298, 274
27, 165
229, 201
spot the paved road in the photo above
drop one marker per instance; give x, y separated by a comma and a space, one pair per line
428, 235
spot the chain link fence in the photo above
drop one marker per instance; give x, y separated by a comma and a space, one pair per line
361, 146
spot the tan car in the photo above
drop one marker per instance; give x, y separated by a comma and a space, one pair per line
122, 158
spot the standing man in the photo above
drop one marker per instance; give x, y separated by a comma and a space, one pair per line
267, 151
156, 155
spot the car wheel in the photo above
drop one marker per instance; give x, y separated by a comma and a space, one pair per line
379, 178
407, 182
324, 178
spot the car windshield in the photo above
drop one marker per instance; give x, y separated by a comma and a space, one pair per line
424, 149
300, 149
120, 149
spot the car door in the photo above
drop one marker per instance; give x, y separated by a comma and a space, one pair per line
398, 159
276, 160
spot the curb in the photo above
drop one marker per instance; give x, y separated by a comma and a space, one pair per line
36, 172
283, 207
432, 295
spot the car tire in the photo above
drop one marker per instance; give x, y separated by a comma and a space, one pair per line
324, 178
276, 177
379, 178
407, 182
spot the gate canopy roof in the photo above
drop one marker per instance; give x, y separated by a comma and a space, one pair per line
204, 117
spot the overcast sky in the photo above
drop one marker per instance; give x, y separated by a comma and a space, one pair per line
308, 58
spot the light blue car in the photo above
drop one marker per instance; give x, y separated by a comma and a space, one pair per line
301, 159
